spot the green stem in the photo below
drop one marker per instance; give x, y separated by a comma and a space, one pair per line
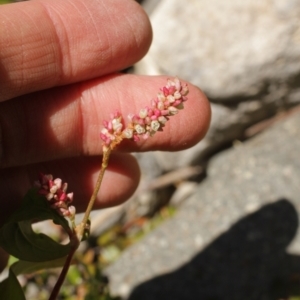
82, 225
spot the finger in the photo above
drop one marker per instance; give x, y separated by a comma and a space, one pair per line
47, 43
66, 121
119, 183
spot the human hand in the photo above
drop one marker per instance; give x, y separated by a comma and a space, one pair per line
58, 68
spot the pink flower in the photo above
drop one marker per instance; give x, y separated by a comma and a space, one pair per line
56, 193
149, 120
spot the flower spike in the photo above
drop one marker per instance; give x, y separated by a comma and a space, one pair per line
148, 120
56, 194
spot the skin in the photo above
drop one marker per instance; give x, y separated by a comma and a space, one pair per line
59, 70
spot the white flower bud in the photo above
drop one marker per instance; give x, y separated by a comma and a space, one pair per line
160, 105
171, 98
117, 125
161, 97
139, 129
177, 83
72, 210
143, 113
127, 133
49, 196
104, 131
163, 120
172, 110
70, 197
54, 189
155, 125
177, 95
57, 182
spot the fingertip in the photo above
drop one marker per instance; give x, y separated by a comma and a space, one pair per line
198, 115
141, 29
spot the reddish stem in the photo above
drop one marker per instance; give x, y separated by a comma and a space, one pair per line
65, 268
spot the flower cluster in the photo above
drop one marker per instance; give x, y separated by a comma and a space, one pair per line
150, 119
56, 193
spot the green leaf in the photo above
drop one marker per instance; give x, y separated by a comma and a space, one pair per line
28, 267
10, 288
18, 238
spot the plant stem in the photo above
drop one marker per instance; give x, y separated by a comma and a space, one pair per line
65, 269
82, 225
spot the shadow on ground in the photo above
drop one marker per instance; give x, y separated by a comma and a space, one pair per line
248, 262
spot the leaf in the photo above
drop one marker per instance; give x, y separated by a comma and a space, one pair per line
10, 288
18, 238
28, 267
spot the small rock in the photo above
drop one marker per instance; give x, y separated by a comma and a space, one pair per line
213, 248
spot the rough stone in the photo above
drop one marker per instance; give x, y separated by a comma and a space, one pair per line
230, 239
230, 49
245, 56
